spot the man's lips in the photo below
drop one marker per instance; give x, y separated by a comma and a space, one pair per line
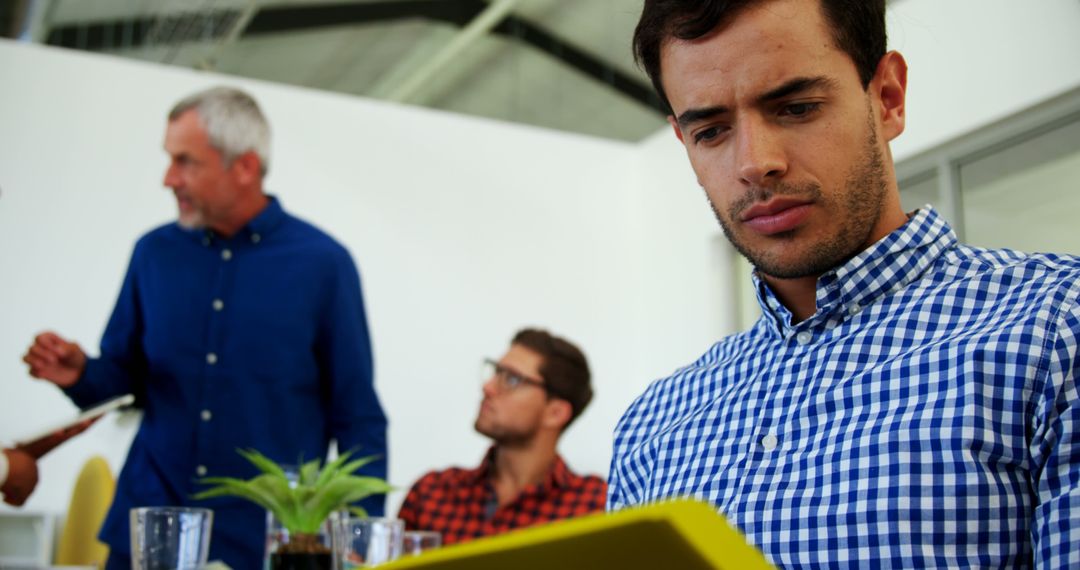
776, 216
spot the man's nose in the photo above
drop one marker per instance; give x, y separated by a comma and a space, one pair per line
490, 386
172, 176
760, 156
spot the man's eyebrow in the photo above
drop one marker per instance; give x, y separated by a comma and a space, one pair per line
511, 370
791, 87
795, 86
691, 116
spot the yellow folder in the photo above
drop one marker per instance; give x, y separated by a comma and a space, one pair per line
680, 535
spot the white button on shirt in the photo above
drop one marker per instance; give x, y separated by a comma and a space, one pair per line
226, 254
769, 442
804, 338
206, 415
211, 358
200, 470
218, 304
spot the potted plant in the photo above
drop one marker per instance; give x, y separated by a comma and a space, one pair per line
301, 506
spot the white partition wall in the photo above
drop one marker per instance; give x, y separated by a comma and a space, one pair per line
972, 62
464, 231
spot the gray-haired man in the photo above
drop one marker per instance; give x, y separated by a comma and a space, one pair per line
240, 326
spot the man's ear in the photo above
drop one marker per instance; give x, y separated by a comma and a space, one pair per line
557, 413
889, 88
247, 168
675, 125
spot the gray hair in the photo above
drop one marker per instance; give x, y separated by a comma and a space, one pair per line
233, 121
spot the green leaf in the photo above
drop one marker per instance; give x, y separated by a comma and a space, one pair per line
330, 470
262, 462
305, 506
343, 490
351, 467
309, 472
238, 488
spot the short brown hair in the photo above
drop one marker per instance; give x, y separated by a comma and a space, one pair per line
564, 368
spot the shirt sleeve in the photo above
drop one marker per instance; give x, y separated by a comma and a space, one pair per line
122, 357
356, 417
625, 476
615, 499
1056, 447
408, 511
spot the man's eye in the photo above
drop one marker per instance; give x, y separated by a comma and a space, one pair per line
706, 134
513, 380
800, 109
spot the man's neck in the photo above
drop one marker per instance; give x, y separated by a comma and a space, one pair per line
245, 211
799, 295
519, 466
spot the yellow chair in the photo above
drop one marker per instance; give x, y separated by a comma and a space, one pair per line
90, 501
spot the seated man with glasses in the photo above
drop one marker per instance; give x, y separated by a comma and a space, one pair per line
530, 396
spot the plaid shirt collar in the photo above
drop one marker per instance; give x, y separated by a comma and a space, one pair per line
881, 269
558, 475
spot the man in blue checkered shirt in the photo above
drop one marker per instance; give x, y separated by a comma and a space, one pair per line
905, 400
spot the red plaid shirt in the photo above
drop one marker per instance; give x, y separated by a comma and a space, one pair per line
461, 504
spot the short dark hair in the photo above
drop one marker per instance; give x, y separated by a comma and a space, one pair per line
858, 28
564, 368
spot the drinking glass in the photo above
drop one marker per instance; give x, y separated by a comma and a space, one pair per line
170, 538
414, 542
362, 542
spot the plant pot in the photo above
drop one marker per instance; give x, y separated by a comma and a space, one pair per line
297, 551
301, 561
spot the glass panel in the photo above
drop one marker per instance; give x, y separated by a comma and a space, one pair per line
918, 191
1024, 197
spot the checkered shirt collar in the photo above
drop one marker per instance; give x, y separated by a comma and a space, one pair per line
883, 268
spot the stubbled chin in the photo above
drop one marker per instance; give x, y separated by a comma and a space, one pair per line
190, 222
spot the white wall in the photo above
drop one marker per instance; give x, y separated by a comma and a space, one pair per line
972, 62
464, 230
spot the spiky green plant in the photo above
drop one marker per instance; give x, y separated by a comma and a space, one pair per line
301, 508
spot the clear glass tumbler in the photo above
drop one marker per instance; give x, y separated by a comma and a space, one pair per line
170, 538
362, 542
414, 542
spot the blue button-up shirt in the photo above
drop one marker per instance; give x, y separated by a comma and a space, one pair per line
925, 416
256, 341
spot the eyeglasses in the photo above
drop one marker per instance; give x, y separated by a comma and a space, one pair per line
506, 379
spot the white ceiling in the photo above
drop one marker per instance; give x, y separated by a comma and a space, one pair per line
561, 64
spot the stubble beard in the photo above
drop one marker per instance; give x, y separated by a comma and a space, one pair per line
859, 210
192, 221
501, 435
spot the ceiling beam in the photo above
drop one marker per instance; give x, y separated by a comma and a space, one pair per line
490, 18
282, 19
